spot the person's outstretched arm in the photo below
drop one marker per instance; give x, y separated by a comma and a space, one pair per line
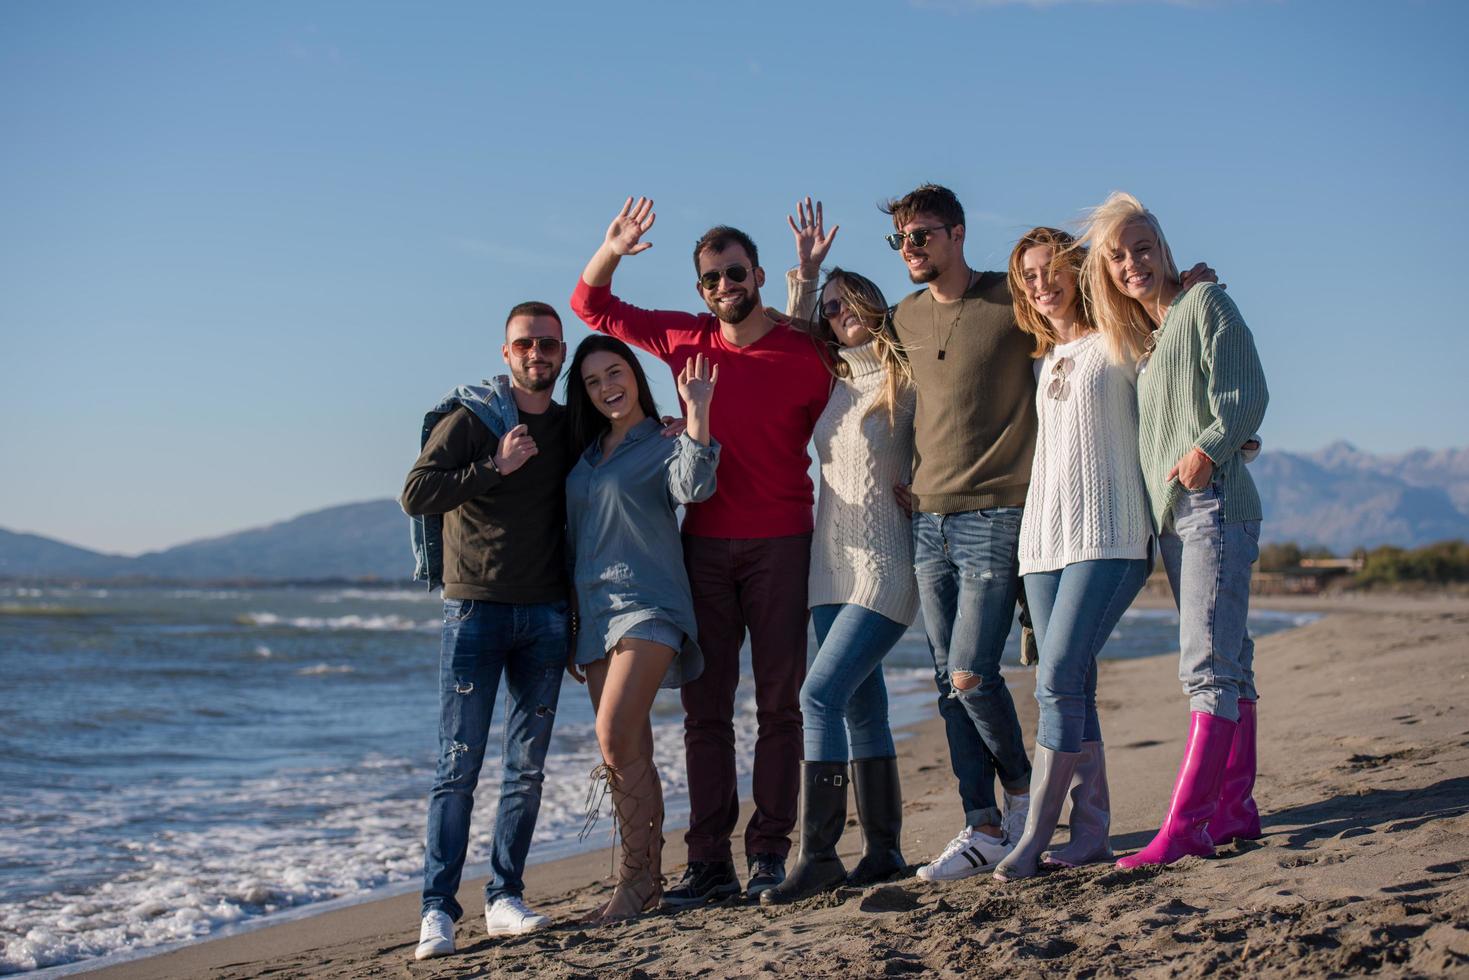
593, 301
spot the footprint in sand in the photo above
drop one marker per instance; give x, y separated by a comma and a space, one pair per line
889, 898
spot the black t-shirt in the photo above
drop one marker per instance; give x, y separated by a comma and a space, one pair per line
504, 536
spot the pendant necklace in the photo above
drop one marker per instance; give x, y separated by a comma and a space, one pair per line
958, 315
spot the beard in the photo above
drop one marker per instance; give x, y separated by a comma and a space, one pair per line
926, 274
530, 382
735, 312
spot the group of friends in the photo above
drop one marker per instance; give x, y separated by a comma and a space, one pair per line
1040, 436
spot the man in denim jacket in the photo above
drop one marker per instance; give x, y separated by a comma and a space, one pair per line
488, 501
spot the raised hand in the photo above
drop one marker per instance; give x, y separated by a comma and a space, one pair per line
812, 240
516, 447
625, 234
696, 383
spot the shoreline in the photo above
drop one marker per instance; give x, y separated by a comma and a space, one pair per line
374, 933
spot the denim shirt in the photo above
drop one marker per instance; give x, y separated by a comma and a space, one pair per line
494, 405
623, 536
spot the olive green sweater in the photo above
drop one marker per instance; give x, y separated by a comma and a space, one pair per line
974, 431
1203, 388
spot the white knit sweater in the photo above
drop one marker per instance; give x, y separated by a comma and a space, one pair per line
862, 551
1086, 499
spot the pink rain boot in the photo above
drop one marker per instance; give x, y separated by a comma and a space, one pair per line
1237, 817
1195, 795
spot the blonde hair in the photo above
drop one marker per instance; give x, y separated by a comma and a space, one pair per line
1066, 253
864, 299
1123, 321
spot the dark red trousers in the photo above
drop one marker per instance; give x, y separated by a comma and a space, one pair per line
759, 585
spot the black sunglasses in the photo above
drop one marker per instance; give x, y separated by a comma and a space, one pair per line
831, 309
735, 273
546, 345
918, 236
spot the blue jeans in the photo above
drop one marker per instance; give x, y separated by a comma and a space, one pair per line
1208, 565
844, 693
528, 643
968, 583
1074, 611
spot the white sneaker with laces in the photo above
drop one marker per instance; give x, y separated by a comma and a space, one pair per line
510, 916
1017, 808
435, 935
970, 853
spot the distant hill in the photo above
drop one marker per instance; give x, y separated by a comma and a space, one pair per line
25, 555
352, 541
366, 540
1342, 498
1337, 497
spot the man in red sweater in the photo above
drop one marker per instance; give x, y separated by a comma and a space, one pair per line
747, 549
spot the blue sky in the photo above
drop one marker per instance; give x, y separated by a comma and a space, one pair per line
244, 246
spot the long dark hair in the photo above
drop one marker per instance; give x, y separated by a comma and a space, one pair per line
587, 423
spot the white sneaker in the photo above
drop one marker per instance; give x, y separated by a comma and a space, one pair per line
435, 935
1017, 808
970, 853
510, 916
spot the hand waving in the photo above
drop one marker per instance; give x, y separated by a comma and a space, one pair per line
696, 384
624, 235
812, 240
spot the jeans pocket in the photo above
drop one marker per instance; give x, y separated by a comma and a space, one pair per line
457, 610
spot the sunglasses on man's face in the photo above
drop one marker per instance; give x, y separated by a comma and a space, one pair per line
918, 236
734, 273
546, 345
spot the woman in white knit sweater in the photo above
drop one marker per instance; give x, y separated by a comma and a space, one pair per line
861, 590
1084, 542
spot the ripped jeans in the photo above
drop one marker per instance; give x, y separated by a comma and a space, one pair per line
968, 583
482, 640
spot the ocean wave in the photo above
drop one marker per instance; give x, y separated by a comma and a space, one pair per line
376, 623
316, 670
375, 595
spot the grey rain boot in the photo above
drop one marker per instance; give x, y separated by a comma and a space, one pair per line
823, 818
1091, 812
880, 812
1050, 778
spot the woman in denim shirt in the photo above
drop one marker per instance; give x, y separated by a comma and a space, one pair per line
637, 613
1201, 393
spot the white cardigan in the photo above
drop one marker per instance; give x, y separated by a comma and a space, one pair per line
862, 551
1086, 499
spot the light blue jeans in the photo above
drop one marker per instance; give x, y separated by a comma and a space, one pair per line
482, 640
844, 694
1074, 611
1208, 565
968, 583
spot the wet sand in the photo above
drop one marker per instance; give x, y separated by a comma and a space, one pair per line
1364, 867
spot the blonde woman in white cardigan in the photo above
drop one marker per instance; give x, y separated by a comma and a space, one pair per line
1084, 543
862, 592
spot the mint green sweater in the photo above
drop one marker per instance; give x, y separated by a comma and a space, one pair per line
1203, 388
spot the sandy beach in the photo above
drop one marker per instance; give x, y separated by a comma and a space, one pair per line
1364, 867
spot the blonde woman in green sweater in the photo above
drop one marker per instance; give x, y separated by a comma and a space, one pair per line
1201, 394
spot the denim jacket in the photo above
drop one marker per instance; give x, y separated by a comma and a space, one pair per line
494, 405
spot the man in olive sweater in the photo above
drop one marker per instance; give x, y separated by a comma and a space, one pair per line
494, 465
974, 435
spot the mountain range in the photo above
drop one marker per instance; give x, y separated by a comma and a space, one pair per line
1338, 497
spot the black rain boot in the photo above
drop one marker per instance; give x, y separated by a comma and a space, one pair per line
823, 817
880, 812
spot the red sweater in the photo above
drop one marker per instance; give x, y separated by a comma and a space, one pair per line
769, 397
